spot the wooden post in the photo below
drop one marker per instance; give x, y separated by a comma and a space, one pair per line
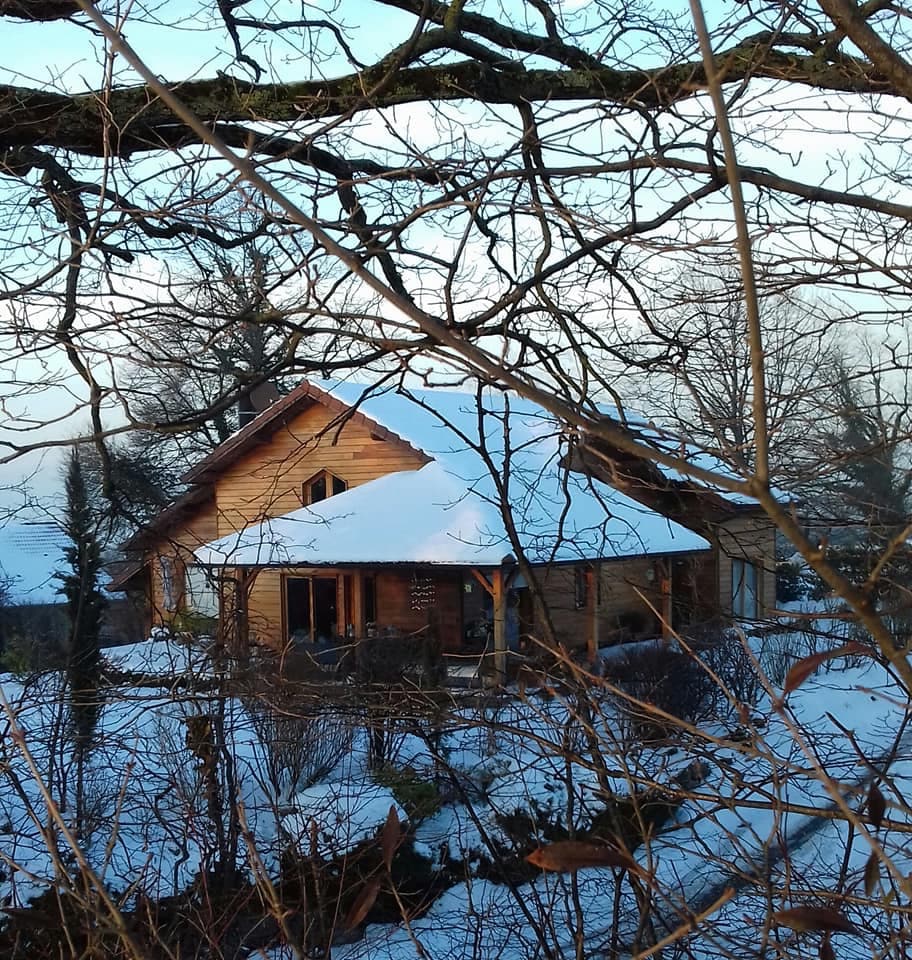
241, 615
358, 604
592, 613
499, 596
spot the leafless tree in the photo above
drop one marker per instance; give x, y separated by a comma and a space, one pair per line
704, 390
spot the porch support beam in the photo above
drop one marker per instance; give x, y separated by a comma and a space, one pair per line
357, 583
499, 595
483, 580
592, 612
509, 572
238, 630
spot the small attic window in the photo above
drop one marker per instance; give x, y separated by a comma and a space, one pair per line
320, 486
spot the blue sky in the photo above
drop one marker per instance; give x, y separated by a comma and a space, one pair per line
67, 54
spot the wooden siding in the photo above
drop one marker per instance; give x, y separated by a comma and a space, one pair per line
395, 603
443, 612
266, 608
268, 480
628, 601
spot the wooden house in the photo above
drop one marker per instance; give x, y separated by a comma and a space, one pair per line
345, 511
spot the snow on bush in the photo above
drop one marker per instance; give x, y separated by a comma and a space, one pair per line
338, 816
162, 655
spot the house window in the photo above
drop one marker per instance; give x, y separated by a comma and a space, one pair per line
200, 592
322, 485
745, 589
169, 594
310, 609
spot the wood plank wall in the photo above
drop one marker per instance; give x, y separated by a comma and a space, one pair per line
626, 594
751, 538
268, 480
394, 603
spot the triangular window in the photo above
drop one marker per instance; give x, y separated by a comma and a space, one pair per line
320, 486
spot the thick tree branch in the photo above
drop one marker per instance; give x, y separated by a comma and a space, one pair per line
39, 10
132, 119
851, 20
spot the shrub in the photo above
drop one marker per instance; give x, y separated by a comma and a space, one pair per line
394, 657
682, 682
301, 750
419, 798
725, 655
15, 657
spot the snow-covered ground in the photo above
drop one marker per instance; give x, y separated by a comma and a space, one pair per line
507, 772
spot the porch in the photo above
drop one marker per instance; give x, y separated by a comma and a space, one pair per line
379, 621
383, 622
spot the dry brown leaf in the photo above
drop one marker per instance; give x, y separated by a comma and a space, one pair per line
565, 856
871, 873
807, 665
363, 902
808, 919
389, 839
877, 805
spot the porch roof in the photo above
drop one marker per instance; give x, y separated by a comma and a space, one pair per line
433, 516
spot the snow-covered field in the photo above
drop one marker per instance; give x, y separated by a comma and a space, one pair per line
148, 802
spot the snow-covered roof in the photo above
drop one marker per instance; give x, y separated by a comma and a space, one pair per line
404, 416
30, 555
667, 442
448, 512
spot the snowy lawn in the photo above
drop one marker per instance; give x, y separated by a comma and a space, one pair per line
147, 798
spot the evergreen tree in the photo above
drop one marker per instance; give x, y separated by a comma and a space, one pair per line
867, 451
85, 607
80, 582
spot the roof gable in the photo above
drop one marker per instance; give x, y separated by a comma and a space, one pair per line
281, 414
486, 448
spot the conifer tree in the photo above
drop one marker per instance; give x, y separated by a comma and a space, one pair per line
85, 607
80, 582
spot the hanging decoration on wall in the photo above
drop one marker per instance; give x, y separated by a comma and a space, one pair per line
422, 593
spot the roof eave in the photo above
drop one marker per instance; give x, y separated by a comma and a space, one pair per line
451, 564
276, 416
